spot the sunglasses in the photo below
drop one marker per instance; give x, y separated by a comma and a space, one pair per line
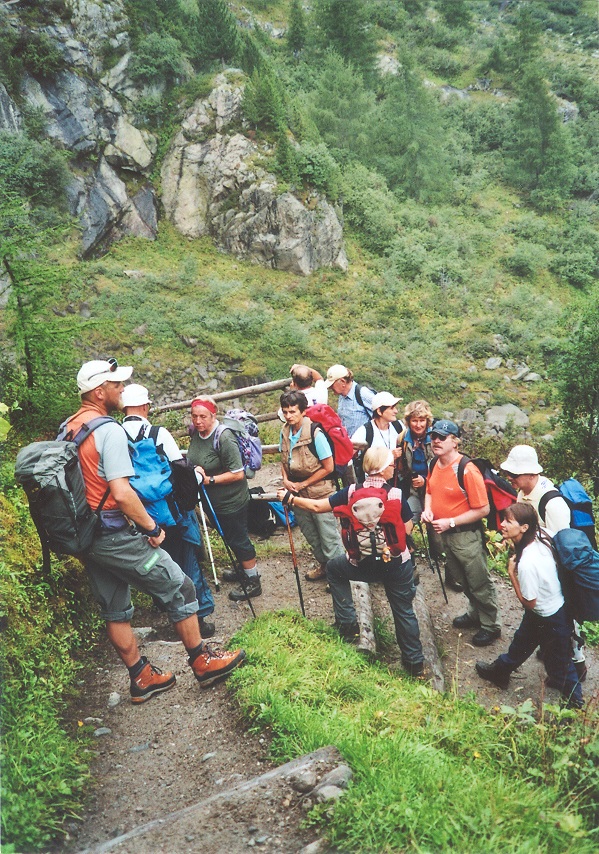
113, 366
440, 437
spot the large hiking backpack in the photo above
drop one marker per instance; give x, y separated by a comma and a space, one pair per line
152, 480
580, 504
50, 474
578, 567
500, 492
323, 416
244, 427
371, 524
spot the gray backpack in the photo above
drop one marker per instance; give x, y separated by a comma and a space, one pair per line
51, 476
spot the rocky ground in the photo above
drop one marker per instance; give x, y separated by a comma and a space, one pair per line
190, 745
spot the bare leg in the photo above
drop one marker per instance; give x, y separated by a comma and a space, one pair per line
189, 632
249, 564
123, 640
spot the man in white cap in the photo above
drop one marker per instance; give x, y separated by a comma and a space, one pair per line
355, 401
183, 540
522, 468
121, 556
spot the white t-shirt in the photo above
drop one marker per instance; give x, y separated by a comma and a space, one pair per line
164, 438
388, 438
557, 512
537, 574
318, 393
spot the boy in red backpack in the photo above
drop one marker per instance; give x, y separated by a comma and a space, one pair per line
374, 524
307, 465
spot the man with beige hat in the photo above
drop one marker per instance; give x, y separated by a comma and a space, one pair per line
355, 401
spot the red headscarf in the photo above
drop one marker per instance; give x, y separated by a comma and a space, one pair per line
207, 404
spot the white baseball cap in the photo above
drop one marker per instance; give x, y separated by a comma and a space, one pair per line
384, 398
334, 373
135, 395
93, 374
522, 459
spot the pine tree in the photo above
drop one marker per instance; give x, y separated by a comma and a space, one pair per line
456, 13
345, 27
218, 29
296, 32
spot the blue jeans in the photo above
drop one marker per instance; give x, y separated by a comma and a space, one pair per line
553, 634
398, 579
187, 555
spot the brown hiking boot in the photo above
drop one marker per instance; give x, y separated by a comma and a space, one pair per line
150, 681
213, 664
318, 573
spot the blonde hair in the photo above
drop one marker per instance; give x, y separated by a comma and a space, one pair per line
375, 459
418, 409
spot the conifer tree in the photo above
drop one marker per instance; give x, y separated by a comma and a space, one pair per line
296, 32
345, 27
218, 28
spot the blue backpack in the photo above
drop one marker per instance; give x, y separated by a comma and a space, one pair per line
580, 504
152, 480
578, 567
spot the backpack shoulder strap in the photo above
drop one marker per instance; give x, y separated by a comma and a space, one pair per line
87, 429
545, 499
153, 434
220, 428
461, 467
369, 433
312, 444
360, 400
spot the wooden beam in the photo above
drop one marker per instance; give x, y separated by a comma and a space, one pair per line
226, 395
363, 604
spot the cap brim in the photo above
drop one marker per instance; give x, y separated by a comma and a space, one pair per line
120, 375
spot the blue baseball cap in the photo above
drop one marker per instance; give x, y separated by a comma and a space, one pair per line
445, 428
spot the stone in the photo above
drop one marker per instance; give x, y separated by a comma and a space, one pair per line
114, 698
339, 776
143, 632
319, 846
468, 416
103, 730
207, 756
128, 148
303, 781
521, 372
497, 417
84, 310
532, 378
493, 363
328, 793
10, 116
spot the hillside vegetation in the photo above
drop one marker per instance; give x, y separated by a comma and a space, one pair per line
459, 142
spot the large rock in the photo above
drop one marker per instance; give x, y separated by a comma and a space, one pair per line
131, 148
97, 23
10, 117
212, 185
497, 418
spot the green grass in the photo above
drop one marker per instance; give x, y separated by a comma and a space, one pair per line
432, 772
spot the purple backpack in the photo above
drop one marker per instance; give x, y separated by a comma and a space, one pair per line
245, 429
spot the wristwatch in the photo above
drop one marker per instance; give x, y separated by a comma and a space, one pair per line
452, 523
211, 480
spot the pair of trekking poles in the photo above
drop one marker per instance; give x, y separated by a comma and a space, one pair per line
231, 556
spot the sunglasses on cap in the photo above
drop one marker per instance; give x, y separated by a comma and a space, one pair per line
113, 365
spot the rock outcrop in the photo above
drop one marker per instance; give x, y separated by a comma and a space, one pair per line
213, 183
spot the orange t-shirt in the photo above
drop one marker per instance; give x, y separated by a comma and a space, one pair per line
447, 498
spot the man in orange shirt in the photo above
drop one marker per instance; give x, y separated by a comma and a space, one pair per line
456, 515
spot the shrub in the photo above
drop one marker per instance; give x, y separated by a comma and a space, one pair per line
316, 166
526, 260
369, 207
157, 59
32, 169
578, 268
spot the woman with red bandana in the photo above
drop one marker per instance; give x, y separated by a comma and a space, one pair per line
221, 470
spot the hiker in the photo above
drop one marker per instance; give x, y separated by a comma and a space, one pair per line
310, 382
524, 472
417, 452
388, 561
456, 515
355, 401
121, 555
307, 468
182, 538
546, 622
381, 431
222, 474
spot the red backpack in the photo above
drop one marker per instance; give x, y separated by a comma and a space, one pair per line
371, 524
327, 419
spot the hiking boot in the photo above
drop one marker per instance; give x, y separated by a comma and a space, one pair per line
207, 629
414, 669
213, 664
466, 622
484, 637
252, 588
316, 574
349, 632
150, 681
494, 672
452, 583
231, 574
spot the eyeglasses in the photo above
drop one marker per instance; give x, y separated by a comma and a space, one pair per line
511, 476
113, 365
439, 436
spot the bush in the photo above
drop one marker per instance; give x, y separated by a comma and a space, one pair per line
578, 268
316, 166
30, 169
369, 207
157, 59
526, 260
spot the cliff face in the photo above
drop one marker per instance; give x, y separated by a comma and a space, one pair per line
212, 182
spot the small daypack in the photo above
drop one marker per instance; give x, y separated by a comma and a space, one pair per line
578, 568
244, 427
50, 474
185, 484
580, 504
152, 480
323, 416
500, 492
371, 524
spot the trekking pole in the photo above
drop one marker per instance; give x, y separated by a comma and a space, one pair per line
433, 555
294, 559
425, 544
209, 546
232, 558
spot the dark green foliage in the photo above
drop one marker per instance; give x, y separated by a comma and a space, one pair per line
218, 29
526, 260
456, 13
488, 123
32, 170
157, 59
369, 208
316, 166
296, 28
286, 163
577, 376
345, 27
24, 50
264, 102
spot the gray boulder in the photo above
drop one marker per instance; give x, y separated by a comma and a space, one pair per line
10, 117
96, 23
497, 417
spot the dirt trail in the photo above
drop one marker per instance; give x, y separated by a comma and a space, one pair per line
188, 744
